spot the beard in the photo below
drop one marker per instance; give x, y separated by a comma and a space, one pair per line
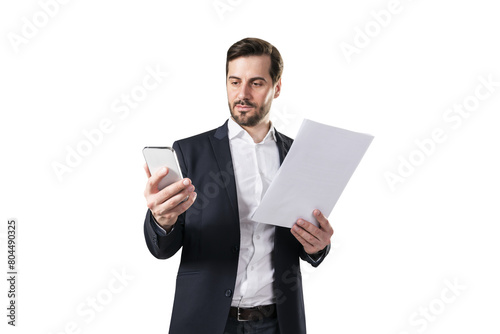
243, 119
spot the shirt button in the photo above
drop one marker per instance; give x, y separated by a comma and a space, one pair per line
258, 237
228, 293
235, 249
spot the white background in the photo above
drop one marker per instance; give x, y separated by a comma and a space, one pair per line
394, 250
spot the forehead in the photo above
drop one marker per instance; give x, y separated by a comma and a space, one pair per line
250, 66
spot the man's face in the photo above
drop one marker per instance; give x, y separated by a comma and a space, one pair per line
250, 89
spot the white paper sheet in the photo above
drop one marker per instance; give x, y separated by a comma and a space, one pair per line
313, 175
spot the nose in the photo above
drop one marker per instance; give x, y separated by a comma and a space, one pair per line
244, 92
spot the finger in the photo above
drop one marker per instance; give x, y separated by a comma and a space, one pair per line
317, 237
180, 208
323, 221
152, 185
300, 238
310, 228
308, 236
173, 189
308, 247
177, 199
185, 205
146, 168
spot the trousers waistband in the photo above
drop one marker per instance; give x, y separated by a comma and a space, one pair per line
253, 313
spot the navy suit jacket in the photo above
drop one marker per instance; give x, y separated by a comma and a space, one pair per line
209, 234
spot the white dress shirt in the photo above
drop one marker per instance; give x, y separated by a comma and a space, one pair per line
255, 165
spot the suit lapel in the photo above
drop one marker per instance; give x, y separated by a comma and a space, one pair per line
282, 234
222, 151
283, 145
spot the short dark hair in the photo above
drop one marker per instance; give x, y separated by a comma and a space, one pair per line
257, 47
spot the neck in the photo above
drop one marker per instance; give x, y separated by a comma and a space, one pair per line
259, 131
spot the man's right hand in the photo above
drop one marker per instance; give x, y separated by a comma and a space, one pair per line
167, 204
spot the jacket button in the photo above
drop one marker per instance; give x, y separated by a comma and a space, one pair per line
235, 249
229, 293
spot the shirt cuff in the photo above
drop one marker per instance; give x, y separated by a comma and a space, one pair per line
160, 230
316, 257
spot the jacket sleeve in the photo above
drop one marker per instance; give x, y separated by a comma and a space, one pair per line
315, 259
161, 244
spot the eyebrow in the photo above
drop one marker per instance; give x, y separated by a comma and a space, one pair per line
251, 79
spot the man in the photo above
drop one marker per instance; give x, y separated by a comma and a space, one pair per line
235, 275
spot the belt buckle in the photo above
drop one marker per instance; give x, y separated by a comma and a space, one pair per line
238, 316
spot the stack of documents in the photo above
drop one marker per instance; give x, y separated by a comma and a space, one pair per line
313, 175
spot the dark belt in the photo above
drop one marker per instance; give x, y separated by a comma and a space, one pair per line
253, 313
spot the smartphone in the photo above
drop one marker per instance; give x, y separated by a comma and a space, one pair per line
158, 157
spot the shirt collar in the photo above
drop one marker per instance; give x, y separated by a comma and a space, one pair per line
235, 130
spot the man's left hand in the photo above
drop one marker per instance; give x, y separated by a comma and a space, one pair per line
314, 239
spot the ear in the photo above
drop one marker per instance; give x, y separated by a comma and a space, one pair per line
277, 89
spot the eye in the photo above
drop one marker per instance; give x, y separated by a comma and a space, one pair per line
234, 83
257, 84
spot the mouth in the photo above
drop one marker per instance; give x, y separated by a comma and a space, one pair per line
241, 107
